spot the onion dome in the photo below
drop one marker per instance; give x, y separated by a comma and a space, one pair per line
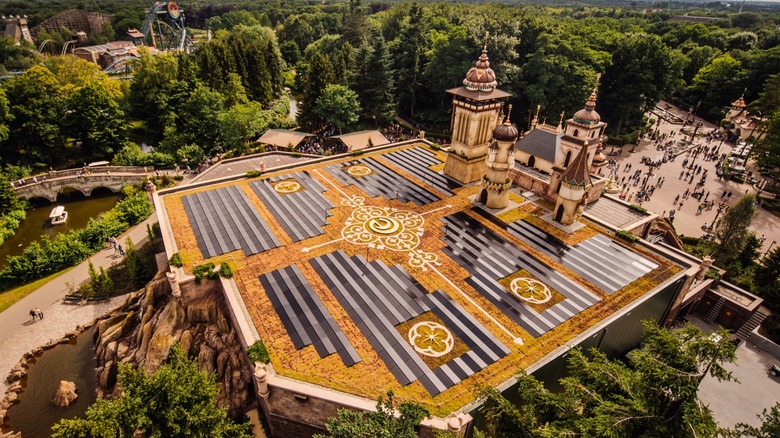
506, 131
588, 115
481, 77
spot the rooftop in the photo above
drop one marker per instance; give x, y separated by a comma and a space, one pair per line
387, 263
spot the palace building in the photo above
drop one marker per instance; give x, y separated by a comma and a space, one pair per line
424, 271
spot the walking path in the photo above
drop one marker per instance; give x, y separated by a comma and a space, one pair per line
21, 335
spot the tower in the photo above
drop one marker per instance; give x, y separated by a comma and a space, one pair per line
500, 158
585, 126
475, 109
737, 107
573, 188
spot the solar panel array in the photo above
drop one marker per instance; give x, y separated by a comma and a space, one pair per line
304, 316
382, 182
224, 220
302, 214
418, 161
489, 257
606, 264
378, 297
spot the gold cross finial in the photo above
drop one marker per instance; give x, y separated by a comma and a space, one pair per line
508, 113
487, 36
561, 121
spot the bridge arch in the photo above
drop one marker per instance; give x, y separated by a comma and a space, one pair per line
100, 190
73, 188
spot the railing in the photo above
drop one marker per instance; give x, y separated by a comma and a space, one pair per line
81, 172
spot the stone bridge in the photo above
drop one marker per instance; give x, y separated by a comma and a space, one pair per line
51, 184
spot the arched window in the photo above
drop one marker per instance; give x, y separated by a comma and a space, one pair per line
576, 132
531, 161
568, 158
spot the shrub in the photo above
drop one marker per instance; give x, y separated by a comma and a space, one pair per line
258, 353
713, 274
625, 235
225, 271
253, 173
205, 270
356, 153
638, 208
175, 260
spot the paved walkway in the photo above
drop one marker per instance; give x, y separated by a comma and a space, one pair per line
740, 402
687, 222
21, 335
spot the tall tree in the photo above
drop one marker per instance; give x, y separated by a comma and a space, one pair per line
655, 396
718, 83
767, 278
36, 108
320, 74
643, 71
356, 28
339, 106
94, 118
733, 230
5, 116
373, 81
409, 60
384, 423
176, 400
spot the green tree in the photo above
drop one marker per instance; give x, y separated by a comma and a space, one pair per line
94, 118
408, 57
767, 278
36, 108
656, 395
380, 424
243, 123
770, 426
320, 74
717, 83
356, 24
176, 400
373, 81
339, 106
154, 80
8, 200
732, 231
643, 71
5, 116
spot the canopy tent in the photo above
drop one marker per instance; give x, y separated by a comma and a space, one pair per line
283, 137
359, 140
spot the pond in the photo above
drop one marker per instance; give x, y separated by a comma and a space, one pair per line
75, 362
37, 223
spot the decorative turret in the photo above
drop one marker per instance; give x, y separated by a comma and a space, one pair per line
585, 126
475, 109
500, 158
573, 187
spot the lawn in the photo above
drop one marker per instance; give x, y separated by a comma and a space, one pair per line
9, 297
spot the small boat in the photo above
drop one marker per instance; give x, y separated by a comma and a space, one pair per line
58, 215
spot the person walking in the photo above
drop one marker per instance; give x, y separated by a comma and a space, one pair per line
121, 251
33, 314
39, 313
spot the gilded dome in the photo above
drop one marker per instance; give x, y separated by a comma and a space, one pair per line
481, 77
588, 115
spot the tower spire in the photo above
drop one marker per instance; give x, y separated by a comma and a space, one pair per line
487, 36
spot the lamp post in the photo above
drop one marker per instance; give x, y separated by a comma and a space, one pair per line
721, 207
767, 250
698, 125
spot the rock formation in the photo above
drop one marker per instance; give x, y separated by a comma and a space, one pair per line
66, 394
142, 330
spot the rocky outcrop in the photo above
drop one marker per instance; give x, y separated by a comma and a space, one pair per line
142, 331
66, 394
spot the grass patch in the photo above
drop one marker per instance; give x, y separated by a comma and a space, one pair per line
11, 296
459, 347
